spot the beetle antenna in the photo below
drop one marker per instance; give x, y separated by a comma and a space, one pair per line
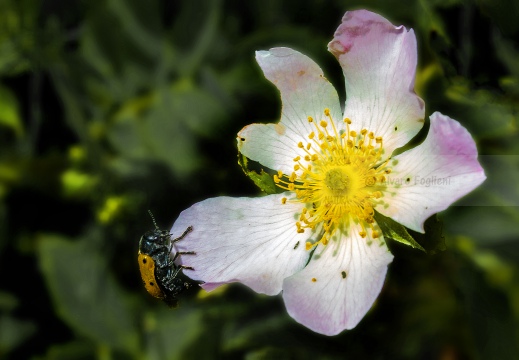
153, 218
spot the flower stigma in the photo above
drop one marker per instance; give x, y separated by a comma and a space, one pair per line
341, 179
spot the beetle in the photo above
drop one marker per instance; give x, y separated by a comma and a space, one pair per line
158, 270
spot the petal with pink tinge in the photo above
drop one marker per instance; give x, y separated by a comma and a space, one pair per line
379, 63
304, 92
249, 240
339, 285
430, 177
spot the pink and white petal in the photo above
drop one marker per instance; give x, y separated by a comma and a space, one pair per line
430, 177
304, 92
379, 65
348, 275
248, 240
270, 145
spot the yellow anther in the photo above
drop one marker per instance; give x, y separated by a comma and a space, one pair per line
314, 279
335, 180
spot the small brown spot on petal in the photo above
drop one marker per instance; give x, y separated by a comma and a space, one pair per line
314, 279
280, 129
301, 72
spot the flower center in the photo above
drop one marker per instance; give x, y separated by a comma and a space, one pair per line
340, 179
337, 181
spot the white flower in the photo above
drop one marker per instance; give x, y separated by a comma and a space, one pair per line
337, 169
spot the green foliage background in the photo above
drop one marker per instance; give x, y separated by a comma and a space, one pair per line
110, 108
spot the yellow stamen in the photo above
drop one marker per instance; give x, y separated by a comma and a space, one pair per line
342, 180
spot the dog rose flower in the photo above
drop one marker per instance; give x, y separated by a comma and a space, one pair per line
318, 242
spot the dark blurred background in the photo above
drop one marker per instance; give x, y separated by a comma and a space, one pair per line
110, 108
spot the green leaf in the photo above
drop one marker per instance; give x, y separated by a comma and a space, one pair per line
178, 333
488, 310
393, 230
73, 350
14, 332
262, 179
85, 293
490, 116
19, 22
9, 111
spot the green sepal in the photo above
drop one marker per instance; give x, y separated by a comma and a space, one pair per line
433, 239
393, 230
263, 180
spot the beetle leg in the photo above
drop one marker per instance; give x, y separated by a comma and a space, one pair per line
179, 268
183, 253
187, 231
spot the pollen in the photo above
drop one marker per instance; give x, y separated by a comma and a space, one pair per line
340, 178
